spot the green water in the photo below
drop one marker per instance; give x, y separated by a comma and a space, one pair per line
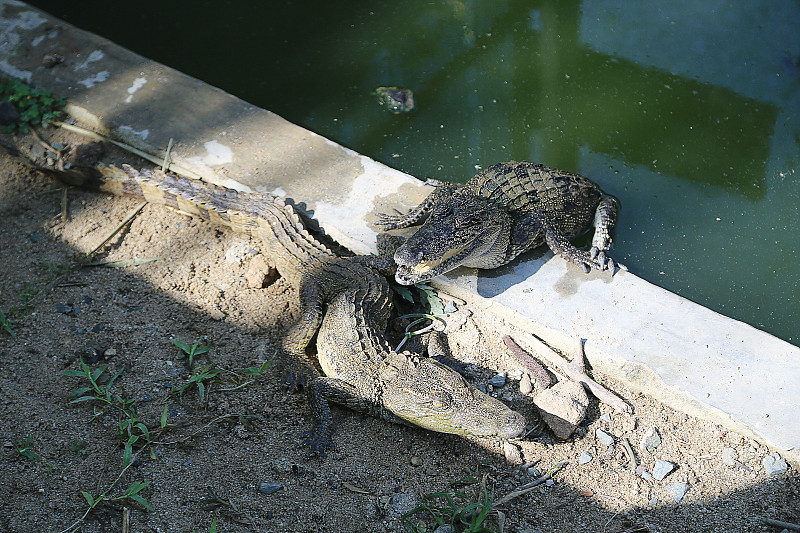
688, 113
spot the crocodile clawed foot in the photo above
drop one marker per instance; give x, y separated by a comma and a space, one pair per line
292, 381
389, 222
603, 262
318, 443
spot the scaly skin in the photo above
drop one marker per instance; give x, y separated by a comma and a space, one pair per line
346, 301
505, 210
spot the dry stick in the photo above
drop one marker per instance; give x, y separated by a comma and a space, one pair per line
144, 155
524, 489
535, 368
576, 371
784, 525
627, 445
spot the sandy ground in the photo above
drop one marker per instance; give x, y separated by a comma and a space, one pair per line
217, 452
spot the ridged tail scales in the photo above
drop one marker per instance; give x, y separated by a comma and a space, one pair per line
288, 242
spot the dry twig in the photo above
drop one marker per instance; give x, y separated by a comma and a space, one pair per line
576, 371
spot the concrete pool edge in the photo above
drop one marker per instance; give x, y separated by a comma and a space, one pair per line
676, 351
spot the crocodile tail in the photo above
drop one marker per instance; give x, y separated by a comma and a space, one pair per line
285, 237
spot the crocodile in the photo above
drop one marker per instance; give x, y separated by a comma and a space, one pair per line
346, 302
503, 211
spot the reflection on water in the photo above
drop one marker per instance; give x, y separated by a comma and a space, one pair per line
687, 112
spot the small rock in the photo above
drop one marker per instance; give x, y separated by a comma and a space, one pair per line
729, 457
774, 464
260, 273
585, 458
604, 438
237, 252
404, 502
662, 469
512, 453
450, 307
525, 385
499, 380
269, 488
651, 440
562, 407
416, 461
445, 528
677, 490
647, 476
606, 418
629, 424
532, 471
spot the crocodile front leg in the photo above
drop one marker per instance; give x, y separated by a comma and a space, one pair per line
443, 190
604, 219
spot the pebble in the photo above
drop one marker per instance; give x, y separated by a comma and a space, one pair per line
445, 528
604, 438
774, 464
404, 502
606, 418
562, 407
662, 469
525, 385
584, 458
451, 307
512, 453
416, 461
499, 380
729, 457
651, 440
533, 472
269, 488
677, 490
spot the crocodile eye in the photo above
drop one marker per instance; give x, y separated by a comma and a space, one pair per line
441, 402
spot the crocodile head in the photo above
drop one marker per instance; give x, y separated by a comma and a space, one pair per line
428, 394
461, 230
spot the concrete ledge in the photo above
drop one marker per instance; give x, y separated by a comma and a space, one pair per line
674, 350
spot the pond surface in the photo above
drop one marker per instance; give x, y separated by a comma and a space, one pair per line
689, 113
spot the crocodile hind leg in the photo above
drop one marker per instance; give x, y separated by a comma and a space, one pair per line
604, 219
298, 369
390, 222
560, 245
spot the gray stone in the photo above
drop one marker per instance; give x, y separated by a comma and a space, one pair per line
525, 385
662, 469
677, 490
651, 440
512, 453
445, 528
450, 307
604, 438
269, 488
499, 380
562, 407
729, 457
606, 418
774, 464
585, 458
404, 502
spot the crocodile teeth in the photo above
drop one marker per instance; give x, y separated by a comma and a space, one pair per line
426, 266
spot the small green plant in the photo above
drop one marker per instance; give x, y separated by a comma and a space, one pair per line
36, 107
453, 508
24, 447
198, 348
131, 493
5, 324
199, 379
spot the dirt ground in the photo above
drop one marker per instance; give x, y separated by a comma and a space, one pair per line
216, 453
